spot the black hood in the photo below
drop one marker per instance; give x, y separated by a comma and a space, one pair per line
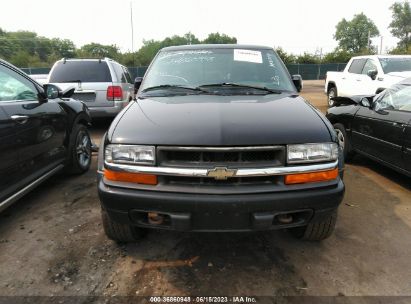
209, 120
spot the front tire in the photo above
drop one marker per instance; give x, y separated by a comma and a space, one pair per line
79, 159
332, 92
121, 233
344, 141
317, 230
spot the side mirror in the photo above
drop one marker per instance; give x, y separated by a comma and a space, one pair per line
52, 91
365, 102
298, 82
137, 84
372, 74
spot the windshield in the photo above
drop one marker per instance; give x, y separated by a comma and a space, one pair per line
395, 64
203, 67
80, 70
395, 98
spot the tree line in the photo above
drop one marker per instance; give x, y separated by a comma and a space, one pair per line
27, 49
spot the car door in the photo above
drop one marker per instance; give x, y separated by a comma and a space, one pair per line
350, 81
9, 156
40, 127
368, 86
380, 130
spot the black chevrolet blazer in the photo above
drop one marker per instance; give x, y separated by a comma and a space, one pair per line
218, 139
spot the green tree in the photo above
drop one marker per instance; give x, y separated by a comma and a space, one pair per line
63, 47
337, 56
191, 38
217, 38
97, 50
308, 58
7, 47
401, 23
353, 35
285, 57
24, 41
147, 52
150, 47
399, 50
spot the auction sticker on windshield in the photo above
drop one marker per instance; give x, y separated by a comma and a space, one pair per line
248, 56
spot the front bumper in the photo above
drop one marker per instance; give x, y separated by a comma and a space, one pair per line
230, 212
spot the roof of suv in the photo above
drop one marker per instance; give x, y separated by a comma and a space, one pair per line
215, 46
382, 56
88, 59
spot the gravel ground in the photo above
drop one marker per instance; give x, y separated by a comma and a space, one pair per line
52, 243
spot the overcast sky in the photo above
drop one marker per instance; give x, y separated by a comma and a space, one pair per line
295, 25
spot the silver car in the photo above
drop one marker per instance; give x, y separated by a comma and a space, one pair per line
103, 84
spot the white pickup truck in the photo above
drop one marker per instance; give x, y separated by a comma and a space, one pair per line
367, 75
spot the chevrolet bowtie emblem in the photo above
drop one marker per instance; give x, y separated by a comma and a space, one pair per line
221, 173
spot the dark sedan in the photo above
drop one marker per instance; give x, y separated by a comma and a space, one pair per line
42, 131
378, 127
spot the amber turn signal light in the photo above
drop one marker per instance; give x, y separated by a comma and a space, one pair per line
138, 178
311, 177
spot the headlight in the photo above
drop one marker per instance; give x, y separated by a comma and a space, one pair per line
310, 153
130, 154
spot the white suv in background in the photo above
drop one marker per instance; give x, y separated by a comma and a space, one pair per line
367, 75
104, 85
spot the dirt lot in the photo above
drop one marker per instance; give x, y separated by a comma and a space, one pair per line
52, 243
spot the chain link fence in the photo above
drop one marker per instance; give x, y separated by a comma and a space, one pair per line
307, 71
314, 71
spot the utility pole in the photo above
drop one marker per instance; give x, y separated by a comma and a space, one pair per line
132, 31
132, 27
369, 42
319, 65
381, 45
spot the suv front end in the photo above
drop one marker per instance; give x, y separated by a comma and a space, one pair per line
218, 140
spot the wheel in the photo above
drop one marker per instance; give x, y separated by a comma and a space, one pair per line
317, 230
344, 141
332, 92
79, 159
120, 233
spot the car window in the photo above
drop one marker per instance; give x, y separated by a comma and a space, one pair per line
200, 67
369, 65
14, 87
80, 70
120, 73
397, 98
356, 66
127, 74
395, 64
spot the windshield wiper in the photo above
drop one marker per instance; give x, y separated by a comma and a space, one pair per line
239, 85
173, 86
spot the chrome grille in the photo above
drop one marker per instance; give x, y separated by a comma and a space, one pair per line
231, 157
226, 157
